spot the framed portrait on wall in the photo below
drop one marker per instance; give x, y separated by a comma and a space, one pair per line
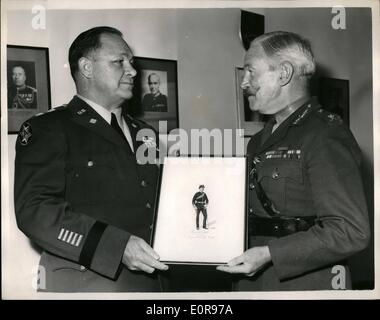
28, 84
248, 120
201, 210
155, 93
334, 96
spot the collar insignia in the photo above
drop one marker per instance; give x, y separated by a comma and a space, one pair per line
81, 111
302, 115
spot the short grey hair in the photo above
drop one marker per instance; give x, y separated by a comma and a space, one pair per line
282, 45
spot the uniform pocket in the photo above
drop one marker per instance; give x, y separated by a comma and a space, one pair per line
281, 169
280, 179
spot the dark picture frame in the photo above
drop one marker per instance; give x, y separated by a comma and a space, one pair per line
146, 104
334, 96
175, 235
250, 122
30, 94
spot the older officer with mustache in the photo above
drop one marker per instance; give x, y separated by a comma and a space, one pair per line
307, 206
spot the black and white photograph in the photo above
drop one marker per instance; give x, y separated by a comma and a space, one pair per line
192, 225
28, 83
211, 149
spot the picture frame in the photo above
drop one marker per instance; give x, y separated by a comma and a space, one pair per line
155, 93
182, 232
248, 121
334, 96
28, 84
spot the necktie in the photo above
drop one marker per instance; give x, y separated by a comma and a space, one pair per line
267, 131
117, 128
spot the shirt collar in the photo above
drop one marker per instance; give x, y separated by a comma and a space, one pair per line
292, 107
102, 111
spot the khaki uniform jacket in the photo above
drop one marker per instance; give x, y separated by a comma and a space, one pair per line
309, 166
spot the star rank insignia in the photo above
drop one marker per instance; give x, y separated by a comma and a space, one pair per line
25, 133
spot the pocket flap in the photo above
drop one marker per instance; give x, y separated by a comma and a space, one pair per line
275, 169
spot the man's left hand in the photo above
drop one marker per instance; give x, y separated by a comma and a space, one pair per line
249, 262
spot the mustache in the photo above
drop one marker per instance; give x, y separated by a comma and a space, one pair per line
249, 92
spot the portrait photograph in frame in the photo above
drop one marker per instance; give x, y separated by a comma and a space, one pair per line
201, 210
334, 96
155, 93
28, 84
249, 121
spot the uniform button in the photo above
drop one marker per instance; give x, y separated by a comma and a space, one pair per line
148, 205
76, 175
143, 183
83, 268
250, 210
275, 175
90, 164
251, 185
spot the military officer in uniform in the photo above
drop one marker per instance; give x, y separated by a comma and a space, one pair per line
200, 203
82, 193
307, 206
155, 100
20, 95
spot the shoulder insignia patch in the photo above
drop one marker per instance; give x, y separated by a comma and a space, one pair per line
25, 133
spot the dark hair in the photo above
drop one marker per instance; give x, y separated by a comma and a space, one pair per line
87, 41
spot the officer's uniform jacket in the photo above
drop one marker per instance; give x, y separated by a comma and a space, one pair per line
80, 192
309, 166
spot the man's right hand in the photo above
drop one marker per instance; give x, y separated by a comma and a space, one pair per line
138, 255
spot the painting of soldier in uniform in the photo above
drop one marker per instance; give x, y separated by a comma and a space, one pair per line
28, 84
155, 94
200, 203
22, 93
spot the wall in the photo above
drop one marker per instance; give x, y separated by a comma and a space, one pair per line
209, 101
342, 54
